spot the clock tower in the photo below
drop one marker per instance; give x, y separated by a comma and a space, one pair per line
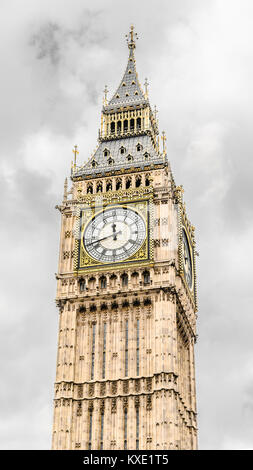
126, 290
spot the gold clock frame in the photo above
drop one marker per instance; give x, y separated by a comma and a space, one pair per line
144, 255
184, 224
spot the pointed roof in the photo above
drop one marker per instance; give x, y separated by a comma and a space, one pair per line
129, 91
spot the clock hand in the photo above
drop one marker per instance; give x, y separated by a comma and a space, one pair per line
104, 238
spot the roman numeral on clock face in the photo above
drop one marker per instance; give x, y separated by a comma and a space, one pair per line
111, 235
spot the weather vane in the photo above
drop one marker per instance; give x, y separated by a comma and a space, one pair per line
131, 37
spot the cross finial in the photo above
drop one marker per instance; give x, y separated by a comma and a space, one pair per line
75, 152
105, 94
131, 37
164, 142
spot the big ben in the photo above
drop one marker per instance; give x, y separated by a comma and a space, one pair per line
126, 289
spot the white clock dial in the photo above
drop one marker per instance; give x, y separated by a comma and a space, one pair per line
114, 234
187, 261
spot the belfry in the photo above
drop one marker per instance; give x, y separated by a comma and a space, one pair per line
126, 289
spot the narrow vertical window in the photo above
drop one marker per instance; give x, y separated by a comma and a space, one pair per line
137, 427
93, 351
102, 431
104, 352
138, 348
126, 350
90, 430
125, 428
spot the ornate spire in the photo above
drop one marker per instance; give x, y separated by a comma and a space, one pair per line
129, 91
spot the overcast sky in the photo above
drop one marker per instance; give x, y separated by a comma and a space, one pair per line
56, 58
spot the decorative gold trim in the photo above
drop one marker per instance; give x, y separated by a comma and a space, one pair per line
184, 224
83, 261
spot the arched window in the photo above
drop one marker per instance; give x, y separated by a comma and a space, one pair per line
131, 124
128, 183
82, 284
102, 282
106, 153
118, 127
122, 150
110, 161
90, 188
112, 127
146, 155
134, 278
113, 280
138, 182
91, 282
147, 181
99, 187
139, 124
109, 186
129, 158
118, 184
93, 163
146, 277
124, 280
139, 147
125, 125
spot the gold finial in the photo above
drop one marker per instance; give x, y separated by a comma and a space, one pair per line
75, 152
164, 142
131, 37
105, 95
146, 87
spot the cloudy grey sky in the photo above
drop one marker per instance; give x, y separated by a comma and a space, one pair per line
56, 58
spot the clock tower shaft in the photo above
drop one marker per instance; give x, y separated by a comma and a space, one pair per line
125, 376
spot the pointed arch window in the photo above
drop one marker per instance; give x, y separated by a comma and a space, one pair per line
112, 127
122, 150
138, 182
106, 153
131, 124
118, 184
125, 125
138, 123
109, 186
90, 188
110, 161
93, 163
123, 84
146, 277
128, 183
124, 280
119, 127
103, 282
146, 155
99, 187
139, 147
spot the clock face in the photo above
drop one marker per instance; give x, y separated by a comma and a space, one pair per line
114, 234
187, 261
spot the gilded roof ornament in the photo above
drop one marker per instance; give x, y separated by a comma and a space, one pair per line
131, 37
